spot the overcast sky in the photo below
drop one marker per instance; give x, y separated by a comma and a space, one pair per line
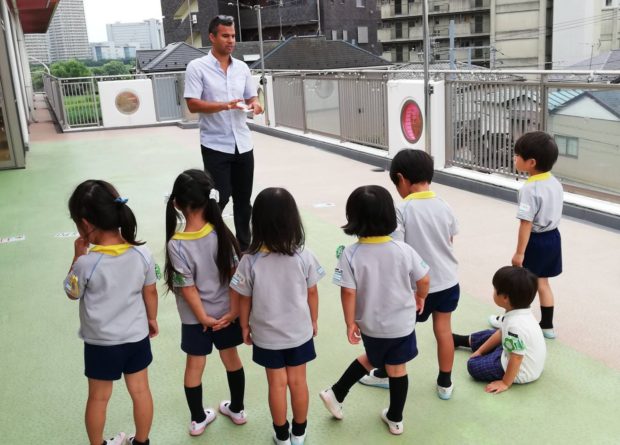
99, 13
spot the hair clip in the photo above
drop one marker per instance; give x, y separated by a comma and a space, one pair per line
215, 195
120, 200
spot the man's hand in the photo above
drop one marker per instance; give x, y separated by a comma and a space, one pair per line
233, 104
256, 107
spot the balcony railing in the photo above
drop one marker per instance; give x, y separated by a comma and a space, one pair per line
389, 10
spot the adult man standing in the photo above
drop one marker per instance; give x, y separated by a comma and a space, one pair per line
218, 87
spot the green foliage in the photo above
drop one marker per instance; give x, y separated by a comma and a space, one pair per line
115, 67
70, 68
37, 80
82, 110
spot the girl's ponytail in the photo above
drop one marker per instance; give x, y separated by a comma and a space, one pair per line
227, 245
127, 222
171, 224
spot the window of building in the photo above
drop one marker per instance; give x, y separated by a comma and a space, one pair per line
362, 34
360, 3
398, 30
567, 146
398, 7
399, 54
608, 2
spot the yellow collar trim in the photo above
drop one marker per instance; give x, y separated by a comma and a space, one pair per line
112, 249
539, 177
421, 195
263, 249
208, 228
375, 239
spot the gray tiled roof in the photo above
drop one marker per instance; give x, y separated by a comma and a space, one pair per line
173, 57
609, 60
145, 56
610, 99
318, 53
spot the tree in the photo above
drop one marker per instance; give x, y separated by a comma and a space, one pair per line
70, 68
114, 68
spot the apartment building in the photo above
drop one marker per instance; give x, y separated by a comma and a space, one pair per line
354, 21
493, 33
67, 32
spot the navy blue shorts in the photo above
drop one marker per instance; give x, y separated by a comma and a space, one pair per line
196, 341
280, 358
441, 301
543, 254
390, 351
111, 362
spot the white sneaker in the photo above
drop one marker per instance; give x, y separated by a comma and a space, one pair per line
298, 440
395, 427
377, 382
333, 406
445, 393
281, 442
197, 428
238, 418
496, 321
549, 333
119, 439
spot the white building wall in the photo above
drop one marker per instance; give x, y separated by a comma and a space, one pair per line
576, 31
147, 34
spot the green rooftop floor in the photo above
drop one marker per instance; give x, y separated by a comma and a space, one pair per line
43, 389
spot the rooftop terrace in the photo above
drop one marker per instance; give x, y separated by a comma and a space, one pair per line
43, 390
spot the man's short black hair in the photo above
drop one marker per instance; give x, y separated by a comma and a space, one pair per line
370, 212
416, 166
518, 284
540, 146
226, 20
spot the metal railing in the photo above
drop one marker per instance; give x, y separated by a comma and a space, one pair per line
75, 101
349, 106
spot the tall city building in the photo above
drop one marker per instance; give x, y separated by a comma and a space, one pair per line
147, 34
497, 33
38, 47
583, 30
67, 32
354, 21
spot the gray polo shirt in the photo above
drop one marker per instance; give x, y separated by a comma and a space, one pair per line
194, 258
384, 273
540, 201
108, 281
427, 224
206, 80
278, 285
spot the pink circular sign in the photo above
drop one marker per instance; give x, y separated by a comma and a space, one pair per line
411, 121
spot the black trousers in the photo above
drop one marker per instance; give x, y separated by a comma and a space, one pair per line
233, 175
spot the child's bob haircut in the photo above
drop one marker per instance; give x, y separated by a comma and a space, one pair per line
276, 223
416, 166
518, 284
370, 212
540, 146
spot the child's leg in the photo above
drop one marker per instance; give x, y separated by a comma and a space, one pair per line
298, 386
546, 303
356, 370
445, 346
138, 387
236, 378
194, 367
399, 385
478, 338
278, 380
99, 392
488, 367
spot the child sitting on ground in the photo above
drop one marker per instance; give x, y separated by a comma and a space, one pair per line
516, 352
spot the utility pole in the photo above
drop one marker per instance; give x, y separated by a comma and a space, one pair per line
191, 19
427, 91
318, 15
239, 22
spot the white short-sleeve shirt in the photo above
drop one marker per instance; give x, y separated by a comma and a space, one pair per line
521, 334
427, 224
383, 273
108, 281
540, 201
278, 285
206, 80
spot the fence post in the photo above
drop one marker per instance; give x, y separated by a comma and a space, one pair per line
544, 94
449, 124
303, 103
93, 84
